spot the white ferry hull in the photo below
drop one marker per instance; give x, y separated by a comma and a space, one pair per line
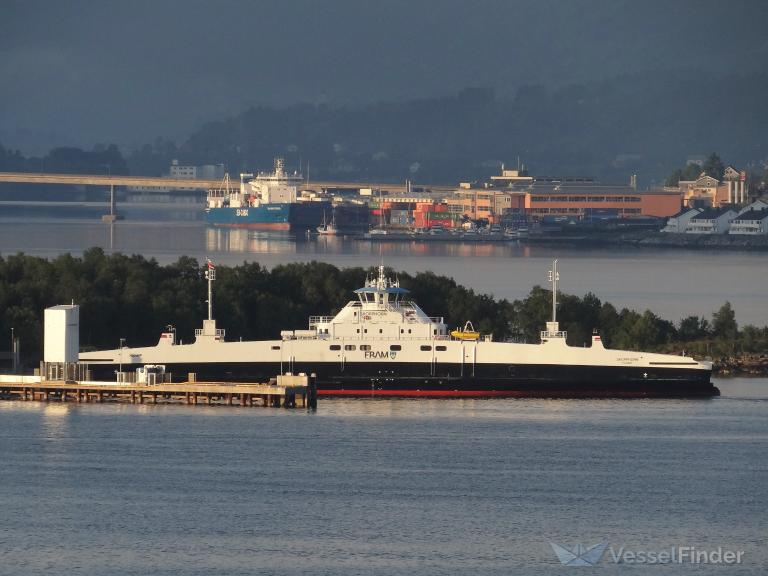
385, 345
462, 369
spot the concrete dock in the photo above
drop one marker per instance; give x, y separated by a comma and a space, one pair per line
288, 392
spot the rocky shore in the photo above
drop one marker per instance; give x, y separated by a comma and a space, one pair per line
696, 241
653, 239
748, 364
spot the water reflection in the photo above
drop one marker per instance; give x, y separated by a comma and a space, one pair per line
240, 240
55, 420
623, 276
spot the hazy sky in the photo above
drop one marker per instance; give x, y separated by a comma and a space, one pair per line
85, 71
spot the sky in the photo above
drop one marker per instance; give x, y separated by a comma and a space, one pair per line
82, 72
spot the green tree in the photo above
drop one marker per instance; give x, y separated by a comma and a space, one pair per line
724, 325
754, 339
692, 328
530, 315
714, 167
690, 172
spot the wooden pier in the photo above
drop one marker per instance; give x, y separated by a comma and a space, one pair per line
287, 392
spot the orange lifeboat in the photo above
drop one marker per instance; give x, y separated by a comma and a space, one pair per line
467, 333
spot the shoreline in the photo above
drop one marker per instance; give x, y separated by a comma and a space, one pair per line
743, 365
646, 239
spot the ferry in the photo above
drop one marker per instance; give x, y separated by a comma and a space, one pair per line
383, 343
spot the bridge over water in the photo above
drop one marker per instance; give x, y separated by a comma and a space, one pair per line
178, 184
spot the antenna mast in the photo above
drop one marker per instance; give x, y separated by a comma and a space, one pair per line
553, 329
210, 275
554, 276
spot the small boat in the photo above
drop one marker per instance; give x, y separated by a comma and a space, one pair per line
328, 229
467, 333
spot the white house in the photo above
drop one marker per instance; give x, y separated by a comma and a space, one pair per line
753, 222
759, 204
678, 223
711, 221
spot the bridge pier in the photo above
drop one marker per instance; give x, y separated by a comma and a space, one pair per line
113, 215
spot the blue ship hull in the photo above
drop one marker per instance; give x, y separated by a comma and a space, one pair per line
282, 216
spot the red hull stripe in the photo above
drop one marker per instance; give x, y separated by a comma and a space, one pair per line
497, 393
443, 393
257, 226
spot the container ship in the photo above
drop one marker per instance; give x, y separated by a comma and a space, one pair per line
271, 201
383, 344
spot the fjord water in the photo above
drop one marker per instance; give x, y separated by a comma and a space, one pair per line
671, 283
381, 486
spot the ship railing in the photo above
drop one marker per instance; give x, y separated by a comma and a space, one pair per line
436, 319
378, 338
546, 334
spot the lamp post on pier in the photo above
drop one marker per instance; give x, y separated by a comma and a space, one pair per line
13, 351
122, 345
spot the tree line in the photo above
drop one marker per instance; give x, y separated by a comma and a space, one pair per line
135, 298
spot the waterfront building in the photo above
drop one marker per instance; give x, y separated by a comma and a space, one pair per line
485, 203
512, 177
678, 223
752, 222
178, 171
582, 199
515, 192
711, 221
759, 204
707, 191
414, 210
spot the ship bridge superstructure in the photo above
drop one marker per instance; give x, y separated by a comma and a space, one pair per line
382, 311
274, 187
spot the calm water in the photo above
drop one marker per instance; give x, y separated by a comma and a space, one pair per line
381, 487
672, 283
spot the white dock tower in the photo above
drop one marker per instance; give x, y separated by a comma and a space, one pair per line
62, 344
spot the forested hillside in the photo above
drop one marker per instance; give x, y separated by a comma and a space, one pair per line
646, 124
